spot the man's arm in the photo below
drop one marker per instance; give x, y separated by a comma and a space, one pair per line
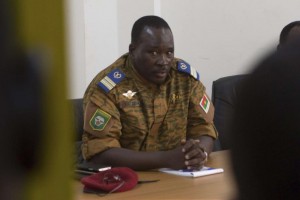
136, 160
201, 131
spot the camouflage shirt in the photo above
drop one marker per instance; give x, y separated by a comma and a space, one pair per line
121, 109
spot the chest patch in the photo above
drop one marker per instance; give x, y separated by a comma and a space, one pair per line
124, 104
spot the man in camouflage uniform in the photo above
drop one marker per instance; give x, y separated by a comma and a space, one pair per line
148, 109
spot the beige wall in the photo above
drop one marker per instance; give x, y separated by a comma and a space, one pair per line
217, 37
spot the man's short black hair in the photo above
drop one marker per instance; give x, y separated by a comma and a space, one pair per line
141, 23
286, 30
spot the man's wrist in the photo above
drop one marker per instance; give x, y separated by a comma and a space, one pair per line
205, 153
206, 156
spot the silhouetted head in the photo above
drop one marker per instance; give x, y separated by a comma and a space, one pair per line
289, 33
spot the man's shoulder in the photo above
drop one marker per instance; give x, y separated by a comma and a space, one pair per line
184, 67
117, 64
112, 75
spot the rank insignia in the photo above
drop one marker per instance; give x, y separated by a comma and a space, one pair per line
99, 120
186, 68
205, 103
175, 98
111, 80
129, 94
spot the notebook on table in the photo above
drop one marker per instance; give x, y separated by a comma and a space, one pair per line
193, 173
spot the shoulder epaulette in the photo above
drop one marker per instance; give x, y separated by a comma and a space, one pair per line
111, 80
186, 68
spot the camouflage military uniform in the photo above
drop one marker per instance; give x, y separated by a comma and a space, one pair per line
124, 110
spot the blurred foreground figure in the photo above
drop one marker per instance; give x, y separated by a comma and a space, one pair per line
36, 135
266, 138
20, 122
20, 113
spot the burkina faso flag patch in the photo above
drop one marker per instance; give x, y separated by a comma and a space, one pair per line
205, 103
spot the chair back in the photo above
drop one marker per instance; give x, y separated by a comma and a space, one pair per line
77, 108
224, 91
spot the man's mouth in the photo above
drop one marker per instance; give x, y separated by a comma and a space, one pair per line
161, 74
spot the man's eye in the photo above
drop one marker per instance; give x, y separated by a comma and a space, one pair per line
170, 53
154, 53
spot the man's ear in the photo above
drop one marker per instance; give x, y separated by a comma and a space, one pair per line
131, 48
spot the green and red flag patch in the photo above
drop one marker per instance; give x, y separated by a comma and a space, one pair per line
99, 120
205, 103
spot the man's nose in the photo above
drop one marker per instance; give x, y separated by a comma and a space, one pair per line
163, 59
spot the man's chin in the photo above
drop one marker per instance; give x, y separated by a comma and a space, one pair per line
159, 81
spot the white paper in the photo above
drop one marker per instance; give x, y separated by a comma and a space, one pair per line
193, 173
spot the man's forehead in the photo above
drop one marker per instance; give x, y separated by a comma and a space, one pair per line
148, 30
151, 30
158, 34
